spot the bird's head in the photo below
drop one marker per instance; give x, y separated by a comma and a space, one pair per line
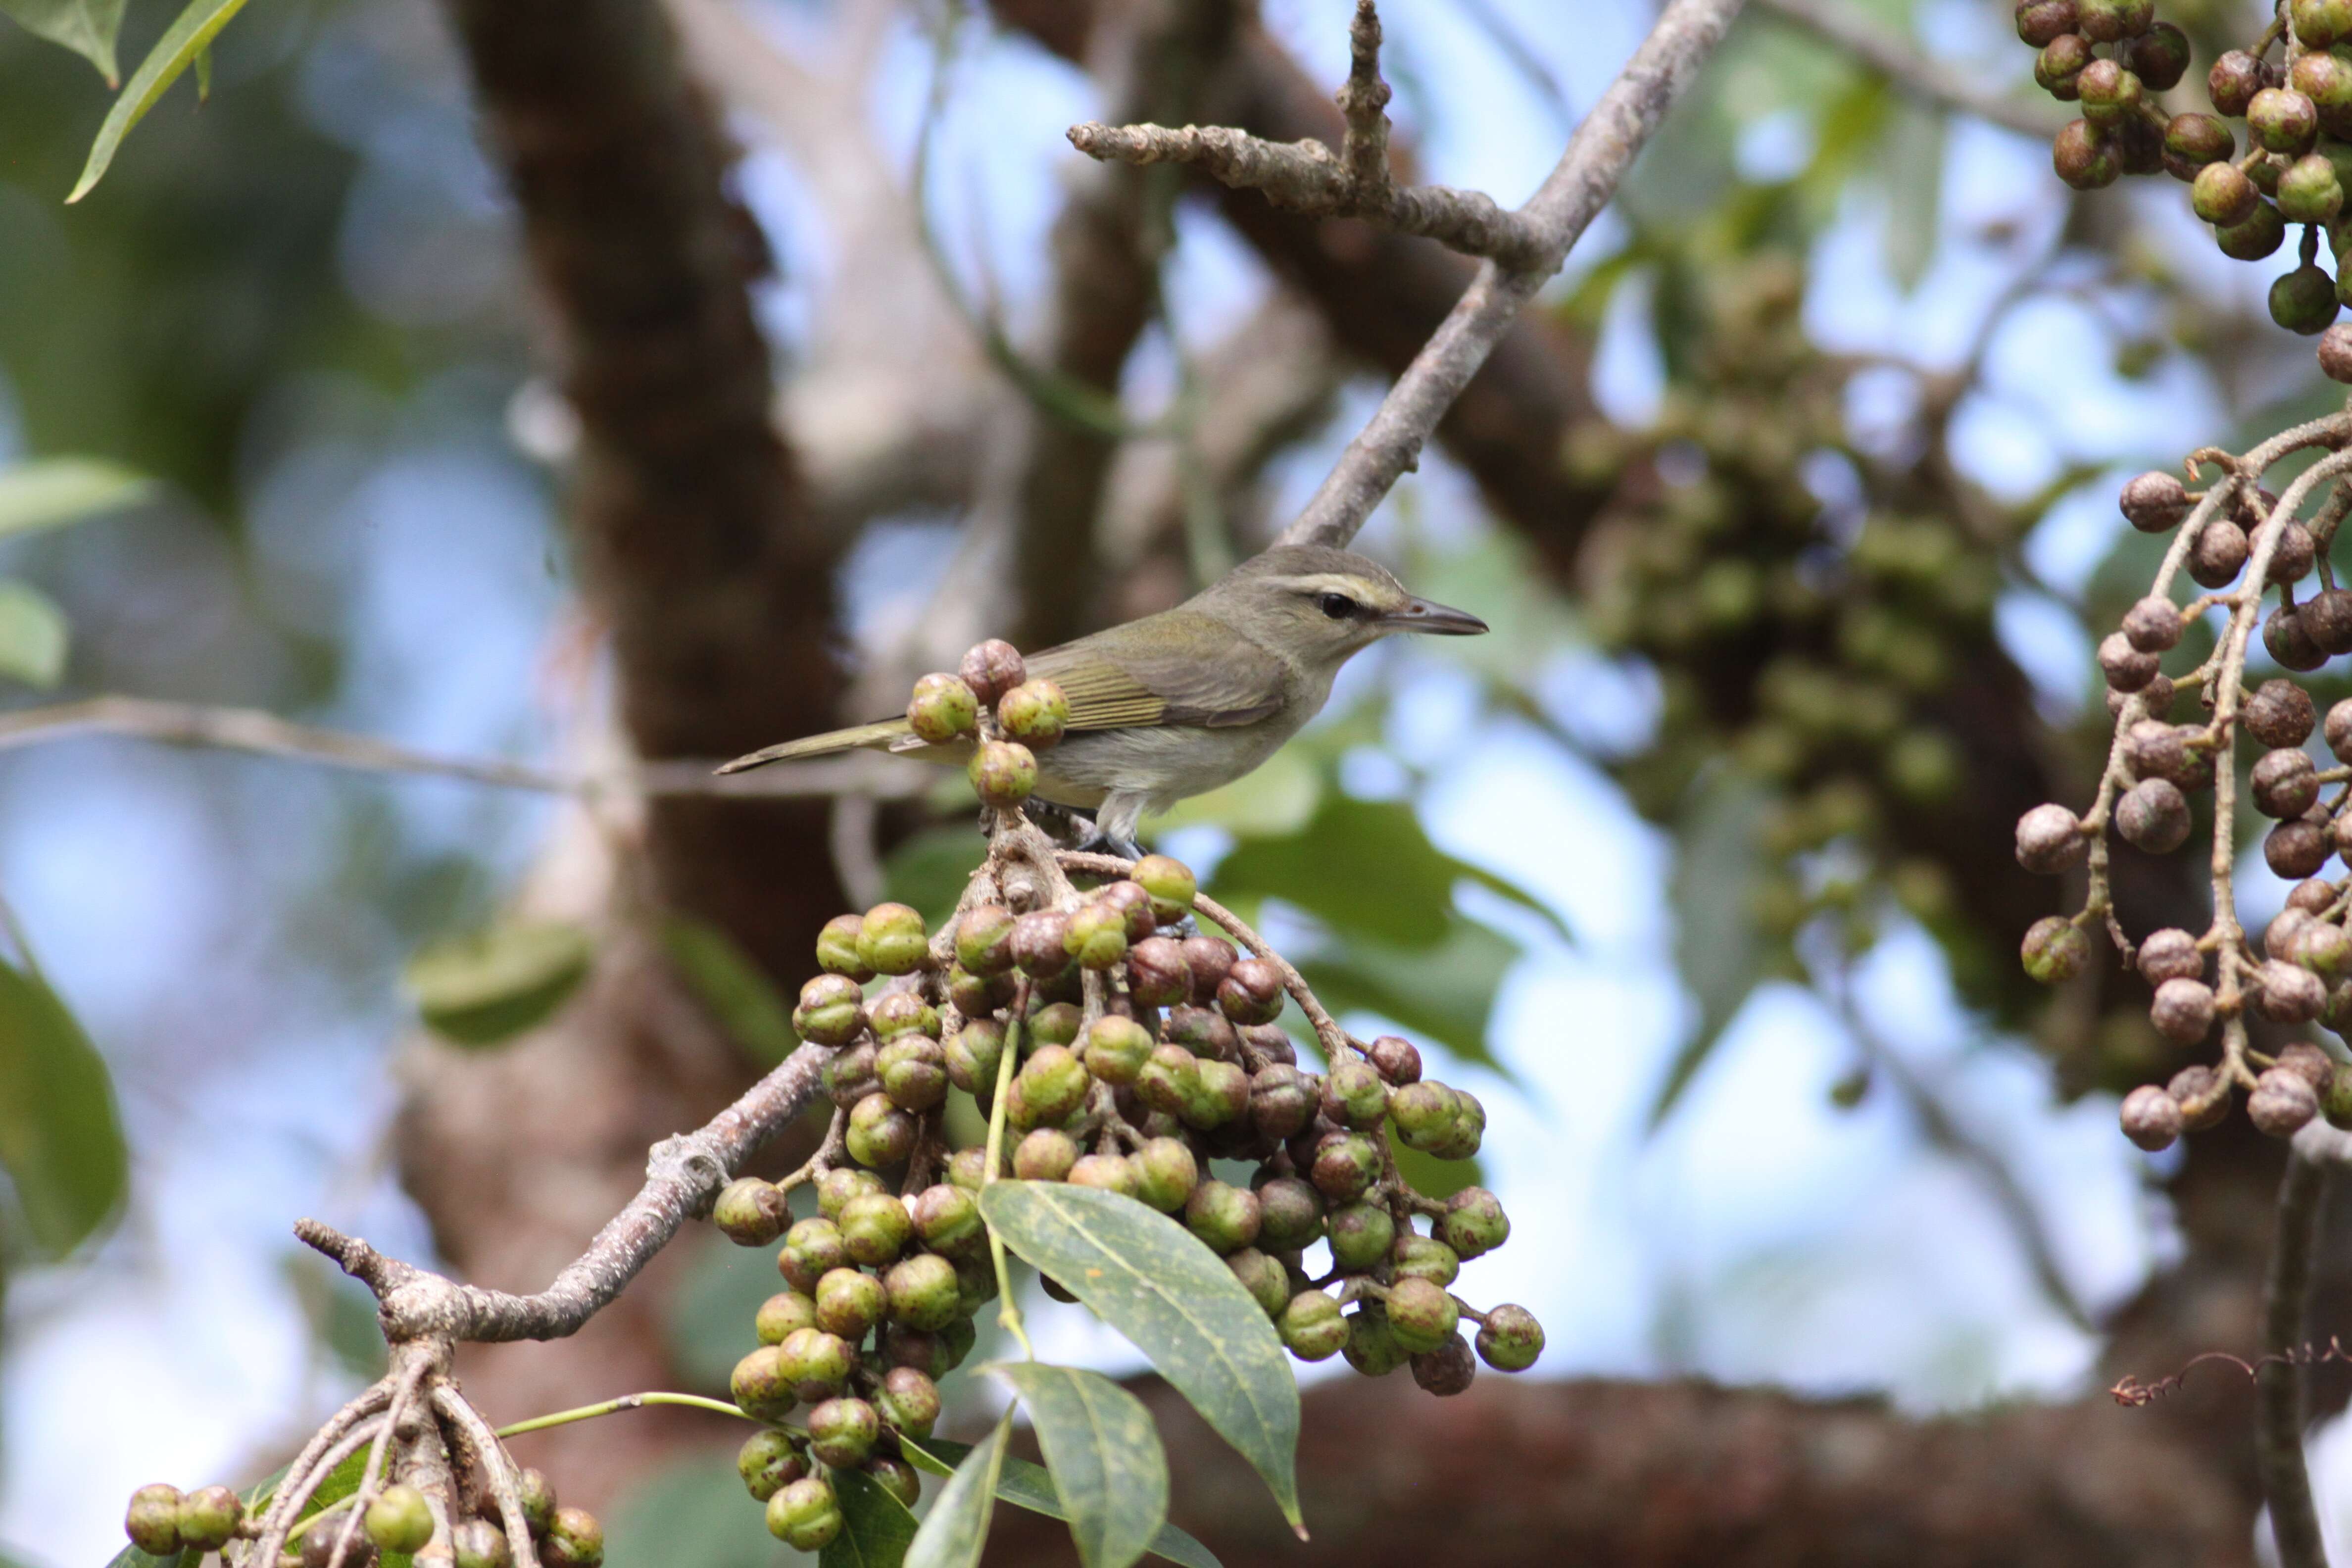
1322, 606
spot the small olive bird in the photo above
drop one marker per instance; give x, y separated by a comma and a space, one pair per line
1178, 703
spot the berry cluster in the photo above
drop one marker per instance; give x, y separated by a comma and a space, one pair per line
1115, 1047
1812, 644
164, 1521
2302, 972
2298, 115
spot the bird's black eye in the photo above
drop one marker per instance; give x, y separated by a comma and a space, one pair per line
1338, 607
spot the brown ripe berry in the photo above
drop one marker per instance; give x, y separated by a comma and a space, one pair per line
2335, 352
2283, 121
2153, 624
2219, 555
2337, 731
1157, 975
2288, 643
2155, 501
2084, 157
2221, 194
1395, 1059
2290, 994
2126, 667
2039, 21
2192, 1088
2170, 954
1209, 958
2153, 815
2327, 619
995, 668
2112, 21
2155, 697
2297, 849
2163, 751
2313, 898
1252, 992
2284, 783
1446, 1370
2050, 840
1040, 943
2232, 82
2293, 556
2058, 65
2161, 58
2182, 1011
2303, 1057
2259, 236
2279, 714
2282, 1103
1139, 914
2278, 937
2151, 1118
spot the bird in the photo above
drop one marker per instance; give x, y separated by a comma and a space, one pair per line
1178, 703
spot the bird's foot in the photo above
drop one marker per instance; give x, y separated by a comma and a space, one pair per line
1098, 842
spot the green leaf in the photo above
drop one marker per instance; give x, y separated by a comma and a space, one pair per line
876, 1530
491, 985
33, 635
956, 1531
1025, 1485
1104, 1456
1363, 868
1914, 167
1719, 951
131, 1557
88, 28
703, 1322
737, 995
1152, 1280
1445, 992
54, 490
1432, 1177
60, 1140
172, 53
205, 74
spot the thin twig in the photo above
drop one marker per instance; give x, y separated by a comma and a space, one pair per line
266, 734
491, 1455
1900, 62
1586, 176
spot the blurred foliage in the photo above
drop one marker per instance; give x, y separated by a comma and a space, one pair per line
60, 1140
488, 986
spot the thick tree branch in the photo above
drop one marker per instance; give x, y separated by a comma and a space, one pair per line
683, 1173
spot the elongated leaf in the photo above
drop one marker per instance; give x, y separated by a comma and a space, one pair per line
33, 635
731, 986
55, 490
488, 987
174, 53
876, 1530
956, 1531
1152, 1280
131, 1557
1914, 165
88, 28
1104, 1456
60, 1141
1716, 945
1025, 1485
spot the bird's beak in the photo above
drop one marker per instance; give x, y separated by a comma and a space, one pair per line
1420, 616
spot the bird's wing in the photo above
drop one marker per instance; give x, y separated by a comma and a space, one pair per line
1127, 678
890, 734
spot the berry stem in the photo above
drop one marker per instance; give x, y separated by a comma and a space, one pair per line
625, 1402
1010, 1313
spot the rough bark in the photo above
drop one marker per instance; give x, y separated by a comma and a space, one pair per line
699, 552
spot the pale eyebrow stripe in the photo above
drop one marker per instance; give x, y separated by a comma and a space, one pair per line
1336, 583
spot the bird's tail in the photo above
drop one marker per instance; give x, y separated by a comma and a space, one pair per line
824, 745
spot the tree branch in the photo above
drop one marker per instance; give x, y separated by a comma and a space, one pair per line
1896, 60
1598, 155
2279, 1403
683, 1173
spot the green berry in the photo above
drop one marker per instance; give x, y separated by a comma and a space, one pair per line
769, 1462
750, 1212
913, 1071
805, 1516
1354, 1095
816, 1365
984, 939
891, 940
1220, 1095
849, 1075
876, 1228
898, 1013
1097, 936
896, 1476
2304, 301
1103, 1173
879, 1132
2109, 93
1225, 1217
1117, 1048
972, 1054
2056, 950
2254, 236
1171, 884
152, 1521
1264, 1277
1055, 1024
2283, 121
1170, 1079
759, 1385
843, 1432
909, 1400
1424, 1257
1312, 1326
1290, 1214
1371, 1349
1165, 1174
810, 1247
849, 1302
1045, 1155
1053, 1082
947, 1219
2309, 192
1474, 1222
2319, 24
1511, 1339
208, 1518
1004, 773
782, 1312
943, 709
1035, 712
832, 1011
2199, 141
1361, 1235
399, 1519
538, 1498
1421, 1316
837, 948
574, 1540
924, 1293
